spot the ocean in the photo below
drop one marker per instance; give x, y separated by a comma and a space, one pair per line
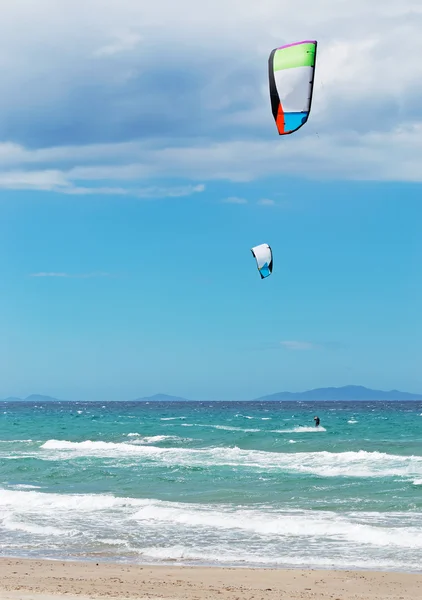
214, 483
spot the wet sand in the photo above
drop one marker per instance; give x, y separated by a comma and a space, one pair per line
53, 580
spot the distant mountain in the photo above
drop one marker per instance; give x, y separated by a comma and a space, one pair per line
32, 398
348, 392
161, 398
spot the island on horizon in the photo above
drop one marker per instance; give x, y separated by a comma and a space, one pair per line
347, 393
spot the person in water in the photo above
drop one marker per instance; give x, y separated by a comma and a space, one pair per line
317, 421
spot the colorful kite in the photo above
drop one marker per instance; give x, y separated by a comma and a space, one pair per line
291, 74
264, 259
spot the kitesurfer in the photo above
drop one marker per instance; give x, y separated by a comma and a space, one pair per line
317, 421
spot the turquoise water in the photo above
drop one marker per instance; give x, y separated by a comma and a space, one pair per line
248, 484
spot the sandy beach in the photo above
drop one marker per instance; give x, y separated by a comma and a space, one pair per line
48, 580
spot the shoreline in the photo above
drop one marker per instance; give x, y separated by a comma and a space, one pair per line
112, 560
52, 579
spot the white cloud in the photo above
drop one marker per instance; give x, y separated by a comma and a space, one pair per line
235, 200
86, 191
266, 202
199, 109
124, 42
61, 182
297, 345
395, 155
170, 192
337, 156
39, 180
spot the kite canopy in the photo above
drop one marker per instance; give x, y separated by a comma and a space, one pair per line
291, 74
264, 259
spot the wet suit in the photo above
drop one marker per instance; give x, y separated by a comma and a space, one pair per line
317, 421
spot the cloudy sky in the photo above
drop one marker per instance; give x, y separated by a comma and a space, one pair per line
139, 163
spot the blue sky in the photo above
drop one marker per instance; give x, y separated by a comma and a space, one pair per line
138, 167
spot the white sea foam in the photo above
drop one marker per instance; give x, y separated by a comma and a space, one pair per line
301, 429
155, 439
25, 486
15, 441
326, 525
98, 448
229, 428
323, 464
44, 530
221, 427
183, 554
84, 523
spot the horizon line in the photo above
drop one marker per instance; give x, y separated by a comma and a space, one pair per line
161, 397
